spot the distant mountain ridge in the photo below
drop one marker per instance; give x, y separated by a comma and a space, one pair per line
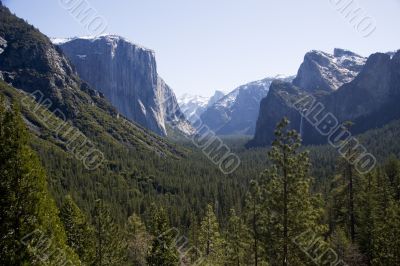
236, 113
126, 74
370, 100
193, 106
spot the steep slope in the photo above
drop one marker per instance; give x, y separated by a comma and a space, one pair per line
139, 167
193, 106
126, 74
272, 108
323, 71
370, 100
236, 113
31, 63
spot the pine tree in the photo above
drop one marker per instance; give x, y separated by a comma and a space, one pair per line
289, 206
255, 223
392, 170
31, 231
345, 249
80, 234
210, 239
138, 240
194, 254
236, 242
368, 214
110, 242
378, 218
163, 248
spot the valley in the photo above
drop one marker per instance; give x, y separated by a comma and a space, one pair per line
102, 164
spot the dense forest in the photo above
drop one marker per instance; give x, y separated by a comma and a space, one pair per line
284, 215
161, 201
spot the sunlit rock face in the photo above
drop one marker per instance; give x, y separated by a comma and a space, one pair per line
369, 100
127, 75
327, 72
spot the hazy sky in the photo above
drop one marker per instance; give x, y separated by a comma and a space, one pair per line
206, 45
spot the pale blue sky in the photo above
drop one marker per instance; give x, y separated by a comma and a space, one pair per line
206, 45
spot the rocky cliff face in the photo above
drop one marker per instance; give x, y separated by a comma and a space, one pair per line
236, 113
327, 72
272, 108
370, 100
169, 110
127, 75
31, 63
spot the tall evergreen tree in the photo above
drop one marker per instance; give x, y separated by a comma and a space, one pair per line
378, 214
163, 248
31, 231
138, 240
236, 241
255, 223
386, 247
392, 170
210, 239
80, 234
289, 206
110, 242
194, 254
351, 181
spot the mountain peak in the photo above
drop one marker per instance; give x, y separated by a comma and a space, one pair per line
236, 113
127, 75
107, 37
324, 71
338, 52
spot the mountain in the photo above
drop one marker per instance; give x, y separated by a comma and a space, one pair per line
139, 167
370, 100
193, 106
30, 63
236, 113
126, 74
323, 71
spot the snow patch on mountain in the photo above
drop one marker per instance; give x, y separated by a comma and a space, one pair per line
3, 45
229, 100
236, 113
193, 106
324, 71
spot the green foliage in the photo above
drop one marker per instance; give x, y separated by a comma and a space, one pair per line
210, 240
138, 240
376, 216
110, 242
289, 206
28, 215
362, 211
80, 234
254, 218
163, 248
236, 241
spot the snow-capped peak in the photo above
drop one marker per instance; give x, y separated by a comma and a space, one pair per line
263, 84
194, 105
186, 99
328, 71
